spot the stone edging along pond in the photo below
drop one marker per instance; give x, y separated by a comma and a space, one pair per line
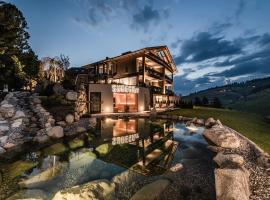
232, 179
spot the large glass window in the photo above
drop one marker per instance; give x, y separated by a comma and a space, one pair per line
125, 102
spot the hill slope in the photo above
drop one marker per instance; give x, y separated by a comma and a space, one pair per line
251, 96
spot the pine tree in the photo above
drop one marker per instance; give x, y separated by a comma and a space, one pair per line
17, 60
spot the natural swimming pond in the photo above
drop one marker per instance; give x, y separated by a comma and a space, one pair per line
139, 145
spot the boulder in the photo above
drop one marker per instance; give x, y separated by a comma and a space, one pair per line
151, 191
69, 118
228, 160
36, 100
61, 123
41, 138
2, 150
199, 122
222, 137
232, 184
9, 145
56, 132
210, 122
177, 167
19, 114
4, 128
215, 149
3, 140
99, 189
17, 123
80, 129
71, 96
55, 149
43, 177
7, 110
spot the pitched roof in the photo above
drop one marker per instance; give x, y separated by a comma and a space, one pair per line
153, 49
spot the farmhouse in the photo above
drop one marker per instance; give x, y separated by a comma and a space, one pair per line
134, 81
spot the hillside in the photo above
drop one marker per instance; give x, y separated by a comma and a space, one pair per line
251, 96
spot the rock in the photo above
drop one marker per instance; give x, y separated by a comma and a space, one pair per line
264, 160
80, 129
7, 110
92, 122
9, 95
2, 150
232, 184
103, 149
94, 190
33, 119
4, 128
176, 167
48, 125
55, 149
71, 96
29, 195
9, 145
218, 123
151, 191
69, 118
61, 123
215, 149
228, 160
210, 122
41, 178
3, 140
17, 168
199, 122
56, 132
17, 123
41, 138
36, 100
219, 138
73, 144
51, 121
19, 114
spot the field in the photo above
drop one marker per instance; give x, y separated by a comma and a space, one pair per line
253, 126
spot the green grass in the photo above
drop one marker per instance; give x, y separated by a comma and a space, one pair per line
253, 126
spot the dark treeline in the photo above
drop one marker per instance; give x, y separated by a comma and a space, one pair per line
215, 102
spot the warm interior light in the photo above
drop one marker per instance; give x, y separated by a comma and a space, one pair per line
141, 108
107, 109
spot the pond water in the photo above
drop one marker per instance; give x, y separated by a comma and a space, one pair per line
116, 145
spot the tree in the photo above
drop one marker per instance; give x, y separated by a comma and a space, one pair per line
205, 101
65, 61
216, 103
16, 56
31, 69
197, 101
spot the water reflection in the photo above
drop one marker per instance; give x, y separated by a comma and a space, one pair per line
138, 144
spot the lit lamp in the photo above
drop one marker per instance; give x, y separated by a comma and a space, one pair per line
107, 109
141, 108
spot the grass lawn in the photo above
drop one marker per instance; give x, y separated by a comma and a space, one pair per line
253, 126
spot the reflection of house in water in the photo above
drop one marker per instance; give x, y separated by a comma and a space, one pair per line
139, 143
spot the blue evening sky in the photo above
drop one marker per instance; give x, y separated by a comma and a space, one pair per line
213, 41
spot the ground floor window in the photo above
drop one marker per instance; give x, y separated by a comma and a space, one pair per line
125, 102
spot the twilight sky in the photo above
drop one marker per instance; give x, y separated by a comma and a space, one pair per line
213, 42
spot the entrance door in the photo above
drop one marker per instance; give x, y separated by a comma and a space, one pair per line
95, 102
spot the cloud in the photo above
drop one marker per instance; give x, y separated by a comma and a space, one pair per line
240, 9
97, 11
206, 45
215, 60
140, 14
148, 16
